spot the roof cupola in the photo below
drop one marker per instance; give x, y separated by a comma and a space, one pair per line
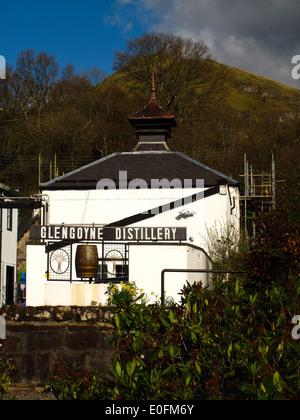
153, 126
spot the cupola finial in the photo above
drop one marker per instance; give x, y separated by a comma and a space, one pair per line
153, 89
153, 125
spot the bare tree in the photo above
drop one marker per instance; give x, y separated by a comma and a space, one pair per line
37, 73
94, 76
13, 99
68, 73
181, 68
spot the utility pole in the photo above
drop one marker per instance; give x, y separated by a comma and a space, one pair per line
40, 164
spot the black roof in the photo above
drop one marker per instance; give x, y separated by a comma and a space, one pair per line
146, 166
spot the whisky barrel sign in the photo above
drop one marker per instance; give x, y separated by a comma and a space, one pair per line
99, 234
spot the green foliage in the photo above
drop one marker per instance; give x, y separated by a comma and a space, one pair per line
274, 255
6, 368
221, 344
123, 295
76, 383
230, 342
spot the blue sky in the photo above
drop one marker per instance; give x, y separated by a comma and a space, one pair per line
84, 33
260, 36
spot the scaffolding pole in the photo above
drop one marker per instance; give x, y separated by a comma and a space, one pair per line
260, 186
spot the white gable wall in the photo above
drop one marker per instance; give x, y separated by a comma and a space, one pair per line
8, 251
104, 207
146, 261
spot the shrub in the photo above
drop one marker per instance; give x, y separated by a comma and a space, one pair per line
274, 254
221, 344
232, 342
123, 294
76, 383
226, 343
6, 368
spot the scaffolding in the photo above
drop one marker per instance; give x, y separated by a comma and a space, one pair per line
259, 192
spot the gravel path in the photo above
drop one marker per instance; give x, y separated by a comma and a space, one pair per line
29, 394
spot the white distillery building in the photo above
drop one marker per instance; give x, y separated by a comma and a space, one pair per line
8, 245
145, 211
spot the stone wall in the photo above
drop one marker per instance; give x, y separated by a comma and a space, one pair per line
36, 338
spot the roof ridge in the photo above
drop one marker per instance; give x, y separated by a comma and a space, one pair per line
140, 165
207, 167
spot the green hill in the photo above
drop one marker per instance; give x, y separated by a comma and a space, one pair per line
257, 94
244, 91
248, 114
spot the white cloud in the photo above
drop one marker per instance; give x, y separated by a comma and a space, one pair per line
258, 35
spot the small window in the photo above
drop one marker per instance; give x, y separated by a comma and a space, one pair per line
9, 219
121, 271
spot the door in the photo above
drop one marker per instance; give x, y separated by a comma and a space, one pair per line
10, 285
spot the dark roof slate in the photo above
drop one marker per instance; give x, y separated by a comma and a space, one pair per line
145, 165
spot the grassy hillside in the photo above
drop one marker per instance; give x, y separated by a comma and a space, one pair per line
249, 114
244, 91
257, 94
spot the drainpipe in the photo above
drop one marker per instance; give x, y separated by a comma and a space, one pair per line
44, 198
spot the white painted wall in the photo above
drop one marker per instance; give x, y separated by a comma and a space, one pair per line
145, 261
8, 251
104, 207
198, 259
40, 292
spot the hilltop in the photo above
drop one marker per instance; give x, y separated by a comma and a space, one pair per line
243, 91
247, 114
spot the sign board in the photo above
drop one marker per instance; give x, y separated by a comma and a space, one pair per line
99, 234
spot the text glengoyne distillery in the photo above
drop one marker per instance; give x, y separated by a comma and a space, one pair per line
92, 233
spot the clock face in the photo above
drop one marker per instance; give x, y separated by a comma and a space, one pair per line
59, 261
